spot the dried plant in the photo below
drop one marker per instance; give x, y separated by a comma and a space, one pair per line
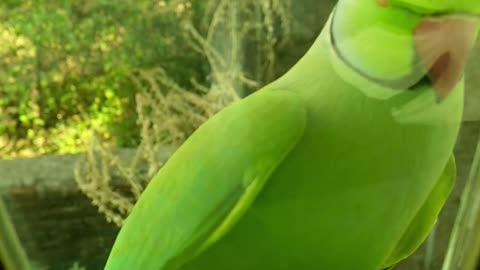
168, 113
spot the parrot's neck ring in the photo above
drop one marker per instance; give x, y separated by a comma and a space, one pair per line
369, 86
376, 87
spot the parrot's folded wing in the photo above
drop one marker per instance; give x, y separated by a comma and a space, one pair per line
209, 182
426, 217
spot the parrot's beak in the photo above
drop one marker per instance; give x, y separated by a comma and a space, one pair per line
443, 45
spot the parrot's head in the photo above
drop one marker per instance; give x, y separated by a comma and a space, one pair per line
405, 44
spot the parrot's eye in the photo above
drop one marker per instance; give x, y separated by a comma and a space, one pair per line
383, 3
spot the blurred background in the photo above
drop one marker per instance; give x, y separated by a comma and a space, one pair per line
96, 94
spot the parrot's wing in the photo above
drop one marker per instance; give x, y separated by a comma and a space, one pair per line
210, 181
426, 217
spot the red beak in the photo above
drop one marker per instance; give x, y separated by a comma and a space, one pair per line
443, 45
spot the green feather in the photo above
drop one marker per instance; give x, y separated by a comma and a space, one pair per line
439, 6
426, 217
223, 164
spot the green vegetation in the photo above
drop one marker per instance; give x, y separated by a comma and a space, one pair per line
66, 66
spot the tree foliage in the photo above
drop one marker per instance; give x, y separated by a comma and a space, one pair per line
65, 68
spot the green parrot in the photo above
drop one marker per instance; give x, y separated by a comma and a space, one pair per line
343, 163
